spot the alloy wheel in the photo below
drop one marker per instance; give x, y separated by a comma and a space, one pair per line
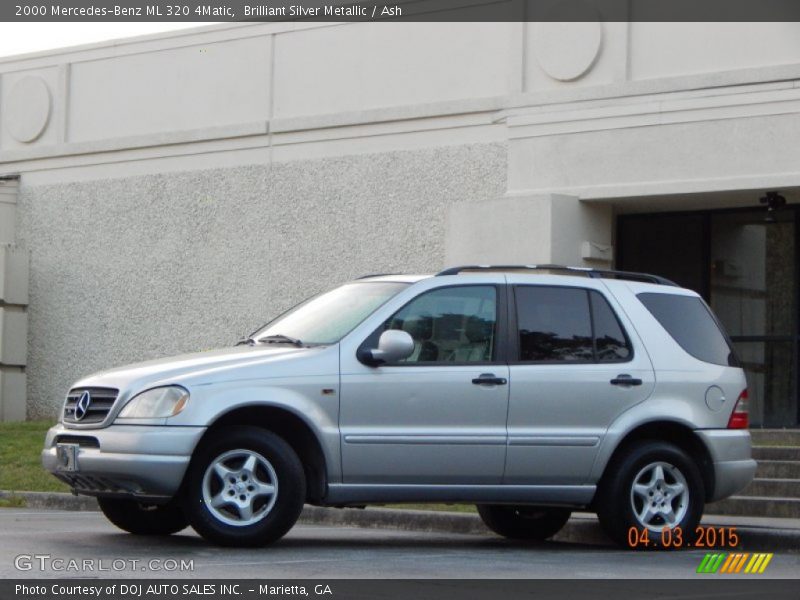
659, 496
240, 487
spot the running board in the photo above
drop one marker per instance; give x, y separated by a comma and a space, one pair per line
563, 495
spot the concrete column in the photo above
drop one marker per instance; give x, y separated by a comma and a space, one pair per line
13, 314
530, 229
8, 207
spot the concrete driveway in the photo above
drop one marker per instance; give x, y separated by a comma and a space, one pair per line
44, 537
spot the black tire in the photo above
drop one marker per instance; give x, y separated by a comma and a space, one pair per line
616, 500
524, 522
143, 519
279, 513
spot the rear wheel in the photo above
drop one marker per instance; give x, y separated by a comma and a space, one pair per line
245, 487
143, 519
524, 522
653, 486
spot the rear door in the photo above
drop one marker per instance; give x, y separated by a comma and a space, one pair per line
574, 368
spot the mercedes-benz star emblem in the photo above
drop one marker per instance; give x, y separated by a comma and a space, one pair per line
82, 407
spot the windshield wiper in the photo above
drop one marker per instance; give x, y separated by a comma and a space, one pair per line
246, 342
279, 339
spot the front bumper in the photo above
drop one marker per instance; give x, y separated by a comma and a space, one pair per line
731, 452
145, 462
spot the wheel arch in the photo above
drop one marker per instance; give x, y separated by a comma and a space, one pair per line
292, 429
674, 432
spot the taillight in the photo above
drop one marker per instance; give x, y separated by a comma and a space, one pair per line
740, 417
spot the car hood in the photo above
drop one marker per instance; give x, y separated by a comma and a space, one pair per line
172, 369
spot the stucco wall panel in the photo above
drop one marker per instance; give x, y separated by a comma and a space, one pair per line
683, 154
134, 268
375, 65
194, 87
669, 49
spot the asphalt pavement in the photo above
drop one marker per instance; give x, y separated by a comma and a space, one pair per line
54, 543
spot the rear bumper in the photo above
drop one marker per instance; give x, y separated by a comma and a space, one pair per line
731, 453
135, 461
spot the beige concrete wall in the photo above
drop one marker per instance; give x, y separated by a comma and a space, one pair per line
523, 230
13, 315
178, 189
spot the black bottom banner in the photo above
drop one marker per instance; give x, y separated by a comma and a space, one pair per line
421, 589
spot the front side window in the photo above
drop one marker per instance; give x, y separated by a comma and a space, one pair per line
450, 325
561, 324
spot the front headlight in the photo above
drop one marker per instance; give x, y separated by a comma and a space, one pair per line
157, 403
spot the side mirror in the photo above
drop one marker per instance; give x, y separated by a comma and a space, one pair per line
393, 345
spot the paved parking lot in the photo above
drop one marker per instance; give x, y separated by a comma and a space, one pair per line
311, 551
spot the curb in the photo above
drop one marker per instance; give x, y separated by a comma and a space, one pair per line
51, 500
582, 528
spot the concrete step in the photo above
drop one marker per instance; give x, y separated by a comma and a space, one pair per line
778, 469
775, 437
773, 488
756, 507
776, 453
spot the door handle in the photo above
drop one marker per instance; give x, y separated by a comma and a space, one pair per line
489, 379
625, 379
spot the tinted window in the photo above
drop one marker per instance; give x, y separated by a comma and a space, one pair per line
558, 324
690, 323
455, 325
611, 343
554, 324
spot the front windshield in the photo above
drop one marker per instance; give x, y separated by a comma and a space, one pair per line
327, 318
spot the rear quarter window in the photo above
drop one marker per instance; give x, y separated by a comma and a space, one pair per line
692, 325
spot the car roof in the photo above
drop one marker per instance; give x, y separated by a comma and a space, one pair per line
395, 277
537, 272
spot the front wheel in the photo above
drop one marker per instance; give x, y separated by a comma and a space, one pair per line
653, 486
245, 487
524, 522
143, 519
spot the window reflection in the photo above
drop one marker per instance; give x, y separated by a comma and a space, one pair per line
453, 325
555, 325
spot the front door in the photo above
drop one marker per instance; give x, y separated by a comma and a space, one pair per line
439, 416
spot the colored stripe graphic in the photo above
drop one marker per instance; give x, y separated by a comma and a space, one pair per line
758, 563
765, 563
726, 566
733, 563
711, 563
704, 563
740, 564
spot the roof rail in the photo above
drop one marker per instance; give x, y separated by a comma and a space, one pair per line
589, 272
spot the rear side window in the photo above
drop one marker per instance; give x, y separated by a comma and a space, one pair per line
561, 324
692, 325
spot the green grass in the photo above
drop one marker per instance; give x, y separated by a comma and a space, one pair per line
20, 463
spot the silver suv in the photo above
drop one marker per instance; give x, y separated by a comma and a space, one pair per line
530, 391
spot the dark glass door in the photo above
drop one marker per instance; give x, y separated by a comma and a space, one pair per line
745, 266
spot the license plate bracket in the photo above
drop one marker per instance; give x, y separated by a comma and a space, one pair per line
67, 455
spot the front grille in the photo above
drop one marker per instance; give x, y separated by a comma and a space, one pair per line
99, 405
84, 441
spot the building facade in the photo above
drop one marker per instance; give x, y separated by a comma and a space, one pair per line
171, 193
